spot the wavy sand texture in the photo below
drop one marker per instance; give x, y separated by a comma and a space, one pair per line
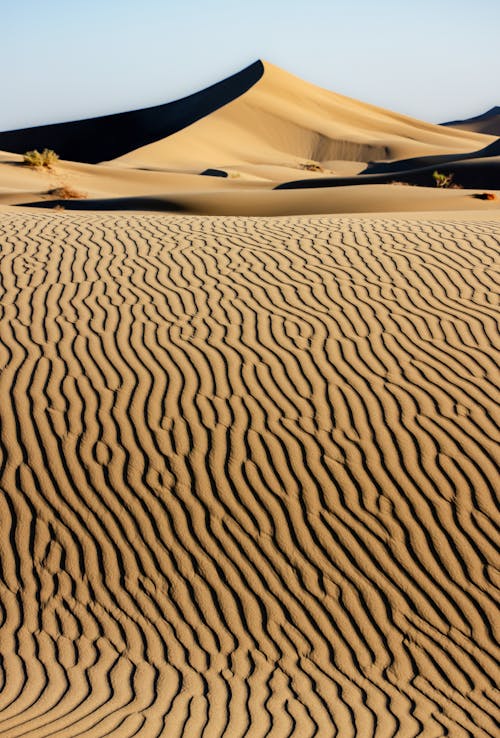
247, 475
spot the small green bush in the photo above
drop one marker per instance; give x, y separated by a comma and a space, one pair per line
38, 159
442, 180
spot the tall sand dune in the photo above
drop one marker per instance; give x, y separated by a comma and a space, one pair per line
259, 129
95, 139
248, 476
282, 120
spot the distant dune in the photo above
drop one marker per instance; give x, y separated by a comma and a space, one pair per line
284, 121
261, 115
488, 123
260, 130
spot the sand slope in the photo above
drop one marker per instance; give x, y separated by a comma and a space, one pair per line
296, 201
247, 474
282, 120
20, 184
258, 130
488, 123
95, 139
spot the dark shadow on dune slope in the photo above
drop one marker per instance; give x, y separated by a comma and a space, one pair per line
100, 139
468, 174
488, 122
402, 165
214, 173
157, 204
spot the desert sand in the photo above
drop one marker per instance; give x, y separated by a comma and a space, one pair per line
488, 122
248, 435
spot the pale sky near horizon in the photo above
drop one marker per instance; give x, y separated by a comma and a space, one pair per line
66, 59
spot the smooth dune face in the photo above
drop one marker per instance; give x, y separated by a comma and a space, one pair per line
282, 120
247, 474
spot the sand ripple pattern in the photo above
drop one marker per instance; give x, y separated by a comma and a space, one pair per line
247, 477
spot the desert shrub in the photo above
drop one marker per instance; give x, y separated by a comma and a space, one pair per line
38, 159
442, 180
67, 193
311, 166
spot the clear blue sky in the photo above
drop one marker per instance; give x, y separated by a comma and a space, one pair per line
65, 59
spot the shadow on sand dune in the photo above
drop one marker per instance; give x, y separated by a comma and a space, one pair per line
470, 172
492, 149
100, 139
155, 204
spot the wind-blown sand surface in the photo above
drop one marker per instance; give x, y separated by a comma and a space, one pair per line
247, 474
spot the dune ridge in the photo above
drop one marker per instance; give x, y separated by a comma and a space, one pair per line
248, 476
488, 122
92, 140
282, 120
261, 129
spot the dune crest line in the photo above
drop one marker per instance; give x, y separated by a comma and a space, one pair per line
247, 474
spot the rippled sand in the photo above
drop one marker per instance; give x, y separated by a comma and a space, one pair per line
247, 476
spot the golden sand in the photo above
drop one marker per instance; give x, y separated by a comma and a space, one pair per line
248, 475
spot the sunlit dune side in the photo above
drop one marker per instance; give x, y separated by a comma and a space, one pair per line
224, 149
21, 184
115, 188
248, 475
283, 121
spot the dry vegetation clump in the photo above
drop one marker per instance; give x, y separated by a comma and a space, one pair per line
67, 193
39, 159
311, 166
402, 184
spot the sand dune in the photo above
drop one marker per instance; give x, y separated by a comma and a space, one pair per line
297, 198
491, 151
114, 188
20, 184
284, 121
259, 130
259, 116
248, 475
488, 123
95, 139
